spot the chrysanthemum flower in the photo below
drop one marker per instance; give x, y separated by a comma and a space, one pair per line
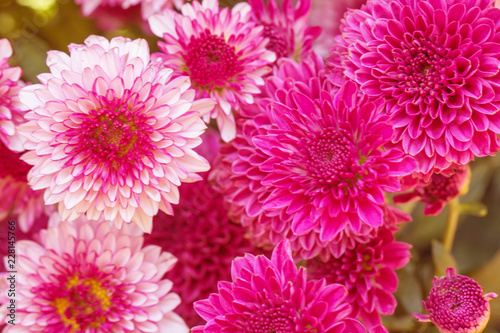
310, 166
274, 296
146, 7
112, 135
436, 63
91, 277
436, 192
456, 304
204, 256
19, 201
327, 14
222, 51
11, 110
287, 29
367, 271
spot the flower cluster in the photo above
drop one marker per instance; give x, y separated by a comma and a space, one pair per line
164, 226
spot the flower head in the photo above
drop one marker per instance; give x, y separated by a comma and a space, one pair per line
125, 8
367, 271
274, 296
111, 135
11, 110
287, 29
439, 189
222, 51
436, 64
456, 304
311, 164
19, 201
90, 277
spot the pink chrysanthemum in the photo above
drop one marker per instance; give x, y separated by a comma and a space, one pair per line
204, 256
313, 163
456, 304
124, 7
436, 63
18, 200
11, 110
367, 271
287, 29
90, 277
222, 51
274, 296
327, 14
112, 135
436, 192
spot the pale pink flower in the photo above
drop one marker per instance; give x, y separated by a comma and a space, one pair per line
310, 165
90, 277
437, 64
456, 304
18, 201
274, 296
11, 110
287, 29
367, 271
110, 134
222, 51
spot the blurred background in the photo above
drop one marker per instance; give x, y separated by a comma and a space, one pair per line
36, 26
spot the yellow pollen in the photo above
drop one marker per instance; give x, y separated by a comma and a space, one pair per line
61, 305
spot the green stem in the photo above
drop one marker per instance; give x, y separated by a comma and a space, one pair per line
451, 223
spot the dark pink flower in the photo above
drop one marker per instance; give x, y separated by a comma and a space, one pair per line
11, 109
287, 29
274, 296
202, 237
367, 271
437, 65
456, 304
312, 165
18, 201
437, 191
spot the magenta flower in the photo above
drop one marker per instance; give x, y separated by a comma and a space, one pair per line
367, 271
112, 135
19, 201
456, 304
310, 165
124, 8
11, 110
274, 296
91, 277
222, 51
202, 237
436, 63
287, 29
436, 192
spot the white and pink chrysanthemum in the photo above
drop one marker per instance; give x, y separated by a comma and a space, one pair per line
110, 134
456, 304
312, 166
274, 296
11, 110
19, 201
367, 271
287, 29
90, 277
222, 51
437, 65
